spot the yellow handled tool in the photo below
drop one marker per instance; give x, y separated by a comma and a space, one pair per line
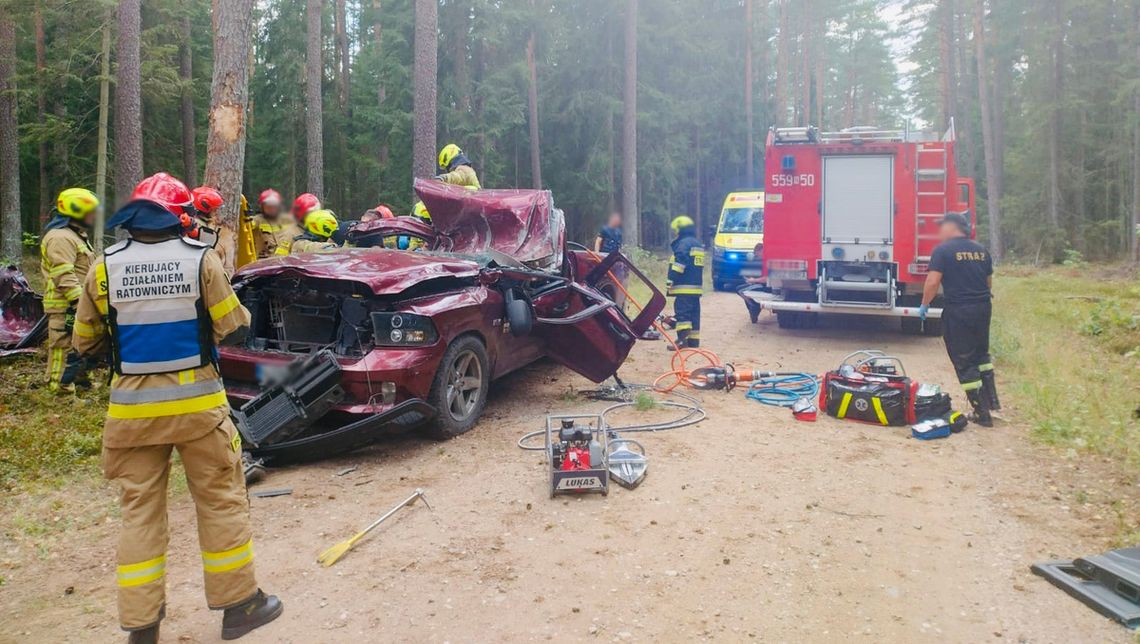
333, 554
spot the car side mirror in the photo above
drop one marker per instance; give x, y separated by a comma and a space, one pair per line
519, 314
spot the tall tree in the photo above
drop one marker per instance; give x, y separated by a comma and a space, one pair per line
10, 222
632, 217
425, 68
314, 118
128, 102
186, 77
101, 137
748, 118
41, 107
1134, 234
993, 199
229, 90
532, 104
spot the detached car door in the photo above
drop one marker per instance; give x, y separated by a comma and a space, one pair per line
582, 323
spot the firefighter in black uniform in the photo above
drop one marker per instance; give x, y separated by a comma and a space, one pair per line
964, 270
686, 278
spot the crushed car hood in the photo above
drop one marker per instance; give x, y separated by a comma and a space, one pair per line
522, 224
21, 311
386, 272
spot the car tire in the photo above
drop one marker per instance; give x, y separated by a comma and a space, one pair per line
459, 389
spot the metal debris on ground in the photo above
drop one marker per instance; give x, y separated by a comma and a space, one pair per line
347, 470
265, 494
333, 554
1107, 583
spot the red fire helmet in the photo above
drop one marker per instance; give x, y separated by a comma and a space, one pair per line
385, 212
206, 199
269, 196
304, 204
166, 191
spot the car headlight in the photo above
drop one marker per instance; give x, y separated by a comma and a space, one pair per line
402, 330
718, 252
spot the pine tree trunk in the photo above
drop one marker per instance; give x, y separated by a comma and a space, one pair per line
11, 226
632, 216
462, 71
1053, 132
128, 102
424, 106
342, 60
381, 91
749, 122
993, 194
101, 137
783, 65
45, 204
946, 68
1134, 234
532, 100
186, 75
229, 97
314, 117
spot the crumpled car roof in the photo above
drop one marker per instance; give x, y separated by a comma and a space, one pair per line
385, 272
522, 224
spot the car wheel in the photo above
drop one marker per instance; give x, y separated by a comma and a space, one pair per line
459, 389
719, 285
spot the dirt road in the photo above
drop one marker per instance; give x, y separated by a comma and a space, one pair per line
749, 527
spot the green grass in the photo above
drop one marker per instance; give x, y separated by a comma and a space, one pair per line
1067, 344
42, 435
645, 401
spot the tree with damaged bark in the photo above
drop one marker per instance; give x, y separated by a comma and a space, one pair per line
225, 144
532, 102
128, 101
314, 110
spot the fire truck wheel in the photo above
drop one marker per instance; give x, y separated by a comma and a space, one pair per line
911, 326
933, 327
796, 320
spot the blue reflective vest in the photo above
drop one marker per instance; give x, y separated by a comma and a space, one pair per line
158, 319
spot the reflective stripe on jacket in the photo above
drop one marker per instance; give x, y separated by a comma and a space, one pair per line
156, 312
65, 258
686, 271
162, 408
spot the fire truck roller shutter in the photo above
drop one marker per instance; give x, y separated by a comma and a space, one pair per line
858, 207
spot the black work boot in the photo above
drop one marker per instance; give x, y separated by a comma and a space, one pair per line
981, 404
989, 387
257, 611
148, 635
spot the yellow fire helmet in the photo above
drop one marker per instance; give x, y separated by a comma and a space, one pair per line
76, 203
321, 223
421, 211
683, 221
448, 154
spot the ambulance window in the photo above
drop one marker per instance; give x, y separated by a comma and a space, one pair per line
742, 220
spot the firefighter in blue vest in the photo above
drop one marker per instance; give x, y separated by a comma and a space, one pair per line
161, 303
685, 281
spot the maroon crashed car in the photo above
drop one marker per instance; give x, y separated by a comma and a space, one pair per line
420, 335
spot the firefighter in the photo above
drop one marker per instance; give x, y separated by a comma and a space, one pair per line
211, 229
161, 303
320, 226
685, 281
303, 205
65, 257
455, 168
271, 227
964, 270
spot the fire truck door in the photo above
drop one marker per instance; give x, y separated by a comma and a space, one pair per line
858, 207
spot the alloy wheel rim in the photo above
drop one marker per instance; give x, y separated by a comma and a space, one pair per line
464, 385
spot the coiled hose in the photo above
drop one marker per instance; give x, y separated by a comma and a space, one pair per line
783, 389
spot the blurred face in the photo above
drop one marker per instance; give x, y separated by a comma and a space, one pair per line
615, 220
271, 208
89, 220
950, 230
369, 215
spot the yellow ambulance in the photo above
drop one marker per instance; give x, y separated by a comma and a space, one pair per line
739, 239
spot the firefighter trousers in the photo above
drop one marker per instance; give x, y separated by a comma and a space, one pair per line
687, 312
217, 484
966, 330
65, 366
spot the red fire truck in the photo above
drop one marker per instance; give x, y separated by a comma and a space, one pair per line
850, 220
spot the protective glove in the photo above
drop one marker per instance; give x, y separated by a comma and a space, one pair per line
69, 318
922, 310
438, 177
